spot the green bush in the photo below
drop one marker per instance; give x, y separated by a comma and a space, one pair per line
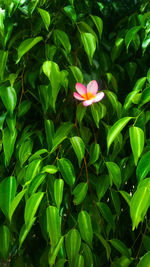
74, 184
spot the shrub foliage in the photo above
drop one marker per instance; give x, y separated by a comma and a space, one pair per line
74, 184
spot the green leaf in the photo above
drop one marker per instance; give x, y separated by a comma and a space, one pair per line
106, 213
25, 151
140, 203
116, 129
105, 244
3, 60
143, 167
9, 140
53, 225
7, 194
116, 200
49, 130
117, 49
96, 113
85, 227
89, 43
45, 17
79, 148
24, 108
35, 183
145, 43
72, 243
79, 193
94, 153
137, 142
130, 35
26, 45
53, 255
87, 254
120, 246
79, 261
49, 169
102, 186
70, 11
77, 74
9, 98
126, 196
58, 191
31, 207
64, 40
51, 70
24, 231
15, 203
32, 169
61, 134
4, 241
145, 260
37, 154
114, 173
137, 88
98, 23
145, 97
67, 170
80, 112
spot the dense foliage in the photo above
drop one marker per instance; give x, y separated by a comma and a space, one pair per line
74, 184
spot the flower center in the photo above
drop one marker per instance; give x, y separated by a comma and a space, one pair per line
88, 96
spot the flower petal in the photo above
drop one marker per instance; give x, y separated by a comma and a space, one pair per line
87, 102
98, 97
81, 89
77, 96
92, 87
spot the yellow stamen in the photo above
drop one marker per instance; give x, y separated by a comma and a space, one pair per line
88, 96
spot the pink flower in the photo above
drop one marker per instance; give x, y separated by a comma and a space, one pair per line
88, 95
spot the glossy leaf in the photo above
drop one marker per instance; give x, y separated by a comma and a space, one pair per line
26, 45
25, 151
31, 207
49, 169
15, 203
3, 60
143, 167
87, 254
9, 98
53, 255
130, 35
89, 43
9, 140
61, 134
58, 191
140, 203
35, 183
85, 227
51, 70
45, 17
32, 169
145, 260
98, 23
24, 231
96, 113
72, 243
77, 73
116, 129
114, 173
105, 244
106, 213
79, 148
80, 112
94, 153
53, 225
145, 97
7, 193
102, 186
49, 130
136, 141
4, 241
79, 193
67, 170
64, 40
